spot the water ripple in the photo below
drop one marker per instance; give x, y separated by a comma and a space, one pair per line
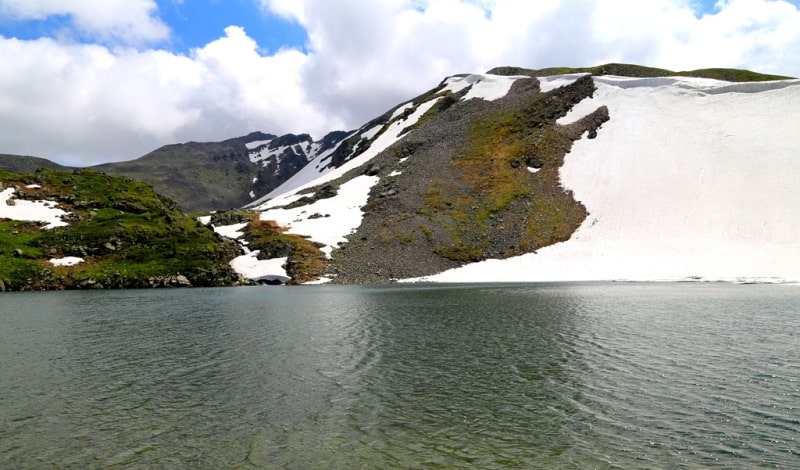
533, 376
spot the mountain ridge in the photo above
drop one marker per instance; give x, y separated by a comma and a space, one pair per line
484, 178
459, 236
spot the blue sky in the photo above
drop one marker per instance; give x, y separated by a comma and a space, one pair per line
195, 23
88, 81
192, 23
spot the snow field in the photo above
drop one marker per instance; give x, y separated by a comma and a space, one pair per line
685, 181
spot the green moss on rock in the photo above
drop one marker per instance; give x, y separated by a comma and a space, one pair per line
127, 234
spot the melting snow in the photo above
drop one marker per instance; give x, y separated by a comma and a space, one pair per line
399, 111
251, 267
263, 152
33, 211
691, 178
316, 220
66, 261
287, 192
231, 231
486, 86
557, 81
301, 179
257, 143
372, 132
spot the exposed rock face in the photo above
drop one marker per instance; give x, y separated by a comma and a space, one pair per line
206, 176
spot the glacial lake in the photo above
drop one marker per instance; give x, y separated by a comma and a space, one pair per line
594, 375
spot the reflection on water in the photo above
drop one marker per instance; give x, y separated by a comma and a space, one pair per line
559, 375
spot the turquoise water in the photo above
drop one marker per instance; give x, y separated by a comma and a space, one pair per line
482, 376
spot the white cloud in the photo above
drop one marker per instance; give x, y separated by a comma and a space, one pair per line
87, 103
80, 102
126, 21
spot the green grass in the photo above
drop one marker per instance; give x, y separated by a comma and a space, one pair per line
630, 70
126, 233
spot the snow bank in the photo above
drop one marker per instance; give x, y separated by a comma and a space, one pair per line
556, 81
66, 261
316, 221
486, 86
251, 267
261, 153
256, 143
690, 179
231, 231
329, 221
32, 211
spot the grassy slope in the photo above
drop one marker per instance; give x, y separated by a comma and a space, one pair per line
129, 236
629, 70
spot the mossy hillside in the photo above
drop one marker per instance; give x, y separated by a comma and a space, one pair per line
458, 189
492, 205
128, 235
305, 262
630, 70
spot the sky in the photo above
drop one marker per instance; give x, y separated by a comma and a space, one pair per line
89, 81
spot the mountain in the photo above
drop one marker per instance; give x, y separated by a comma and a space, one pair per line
222, 175
27, 164
568, 176
209, 176
615, 172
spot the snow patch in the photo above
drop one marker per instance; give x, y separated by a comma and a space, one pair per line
399, 111
66, 261
485, 86
392, 134
372, 132
690, 179
302, 179
256, 143
330, 231
547, 84
32, 211
255, 269
231, 231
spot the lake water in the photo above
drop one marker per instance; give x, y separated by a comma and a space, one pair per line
485, 376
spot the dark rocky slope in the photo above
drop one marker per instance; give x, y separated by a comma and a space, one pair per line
482, 182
